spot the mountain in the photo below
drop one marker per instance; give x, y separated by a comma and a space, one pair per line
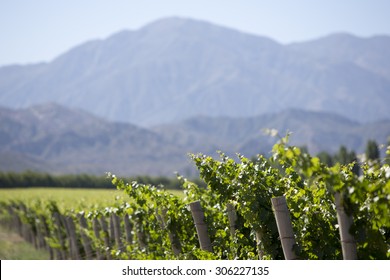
372, 54
318, 131
56, 139
175, 69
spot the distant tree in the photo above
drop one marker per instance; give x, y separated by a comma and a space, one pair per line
304, 149
372, 150
353, 158
387, 157
345, 157
326, 158
342, 156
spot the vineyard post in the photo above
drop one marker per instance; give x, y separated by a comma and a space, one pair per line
46, 233
25, 234
42, 233
16, 222
128, 229
173, 238
283, 222
96, 231
74, 250
117, 231
201, 227
345, 221
86, 240
232, 215
140, 234
28, 231
61, 253
106, 236
259, 237
141, 239
112, 230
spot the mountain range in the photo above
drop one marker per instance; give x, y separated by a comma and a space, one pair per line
138, 101
177, 68
52, 138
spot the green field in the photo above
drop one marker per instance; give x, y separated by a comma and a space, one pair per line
69, 198
14, 247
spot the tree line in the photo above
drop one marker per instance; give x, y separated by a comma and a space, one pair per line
38, 179
345, 156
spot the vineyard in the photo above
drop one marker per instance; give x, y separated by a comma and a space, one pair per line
287, 206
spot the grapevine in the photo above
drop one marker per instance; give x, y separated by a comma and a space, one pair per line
153, 223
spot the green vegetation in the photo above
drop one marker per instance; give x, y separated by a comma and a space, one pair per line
344, 157
309, 187
372, 150
14, 247
30, 179
36, 179
65, 198
68, 198
150, 222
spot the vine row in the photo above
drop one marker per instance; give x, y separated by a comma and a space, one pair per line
247, 209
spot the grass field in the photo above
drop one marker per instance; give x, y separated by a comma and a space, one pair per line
68, 198
14, 247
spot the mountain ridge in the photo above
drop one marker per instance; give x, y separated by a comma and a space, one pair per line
174, 69
52, 138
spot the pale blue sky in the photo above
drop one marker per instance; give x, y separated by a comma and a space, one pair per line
40, 30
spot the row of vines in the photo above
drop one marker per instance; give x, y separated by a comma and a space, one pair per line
233, 218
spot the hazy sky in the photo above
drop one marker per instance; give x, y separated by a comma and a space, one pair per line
39, 30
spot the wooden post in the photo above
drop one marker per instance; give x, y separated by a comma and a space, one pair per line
41, 243
71, 229
259, 245
201, 227
96, 231
345, 221
141, 237
86, 240
112, 229
61, 253
46, 233
128, 229
117, 231
283, 222
140, 233
106, 236
16, 222
232, 216
29, 233
173, 238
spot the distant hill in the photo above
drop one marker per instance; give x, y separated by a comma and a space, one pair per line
372, 54
53, 138
318, 131
174, 69
56, 139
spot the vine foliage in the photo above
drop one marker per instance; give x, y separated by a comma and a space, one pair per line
159, 225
